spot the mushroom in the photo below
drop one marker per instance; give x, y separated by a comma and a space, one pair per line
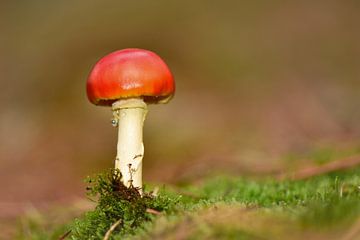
128, 80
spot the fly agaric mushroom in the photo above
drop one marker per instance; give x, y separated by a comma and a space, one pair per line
127, 80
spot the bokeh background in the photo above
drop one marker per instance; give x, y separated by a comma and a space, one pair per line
260, 86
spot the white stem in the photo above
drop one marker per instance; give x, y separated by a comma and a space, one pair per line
130, 114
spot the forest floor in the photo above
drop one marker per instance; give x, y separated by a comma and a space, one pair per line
318, 202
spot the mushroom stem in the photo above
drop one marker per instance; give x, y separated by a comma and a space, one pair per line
130, 114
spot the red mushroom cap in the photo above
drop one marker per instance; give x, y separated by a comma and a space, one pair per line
130, 73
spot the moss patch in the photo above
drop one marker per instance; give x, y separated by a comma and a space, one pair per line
221, 207
117, 202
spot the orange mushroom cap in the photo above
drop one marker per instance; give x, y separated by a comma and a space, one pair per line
130, 73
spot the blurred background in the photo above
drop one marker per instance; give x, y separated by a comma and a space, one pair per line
260, 86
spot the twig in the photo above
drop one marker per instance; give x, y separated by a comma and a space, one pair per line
153, 211
65, 235
341, 164
111, 229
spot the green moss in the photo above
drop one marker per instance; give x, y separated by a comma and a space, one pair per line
31, 228
116, 202
267, 193
323, 202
